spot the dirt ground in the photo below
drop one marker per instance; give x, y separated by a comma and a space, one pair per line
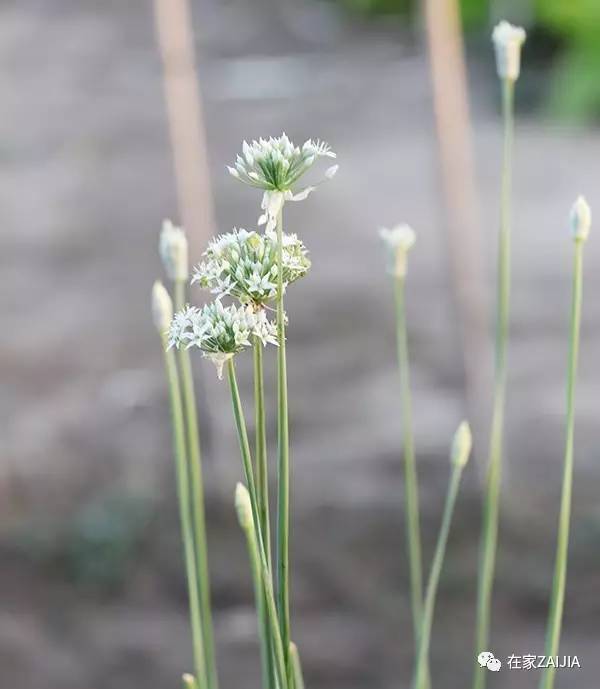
92, 588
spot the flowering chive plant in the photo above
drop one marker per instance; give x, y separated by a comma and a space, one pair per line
253, 270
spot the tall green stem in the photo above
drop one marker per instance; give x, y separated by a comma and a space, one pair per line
262, 489
283, 465
260, 596
264, 582
197, 500
411, 488
262, 469
422, 664
562, 547
242, 431
183, 491
256, 540
491, 508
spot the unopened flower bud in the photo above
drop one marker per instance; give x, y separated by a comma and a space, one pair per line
189, 682
173, 249
581, 219
398, 241
243, 506
461, 445
162, 307
508, 40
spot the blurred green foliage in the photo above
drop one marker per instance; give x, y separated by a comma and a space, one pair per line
95, 548
379, 7
102, 538
576, 87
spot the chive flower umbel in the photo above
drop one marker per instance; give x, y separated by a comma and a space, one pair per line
275, 165
243, 264
220, 331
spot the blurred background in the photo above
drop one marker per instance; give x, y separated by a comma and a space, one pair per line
104, 134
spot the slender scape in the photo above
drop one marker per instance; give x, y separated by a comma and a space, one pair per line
491, 505
262, 490
562, 547
283, 504
182, 477
460, 455
197, 501
411, 490
262, 578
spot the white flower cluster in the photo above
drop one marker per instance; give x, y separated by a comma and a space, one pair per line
244, 265
275, 166
220, 331
241, 264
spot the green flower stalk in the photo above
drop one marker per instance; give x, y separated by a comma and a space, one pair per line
507, 42
262, 490
249, 267
162, 309
275, 166
283, 464
173, 249
262, 578
461, 450
221, 332
398, 242
581, 221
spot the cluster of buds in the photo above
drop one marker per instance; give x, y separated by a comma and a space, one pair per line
241, 264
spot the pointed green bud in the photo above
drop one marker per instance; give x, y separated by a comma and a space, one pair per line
162, 307
581, 219
243, 506
461, 445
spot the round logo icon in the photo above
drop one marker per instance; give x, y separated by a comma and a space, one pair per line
494, 665
488, 660
484, 658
